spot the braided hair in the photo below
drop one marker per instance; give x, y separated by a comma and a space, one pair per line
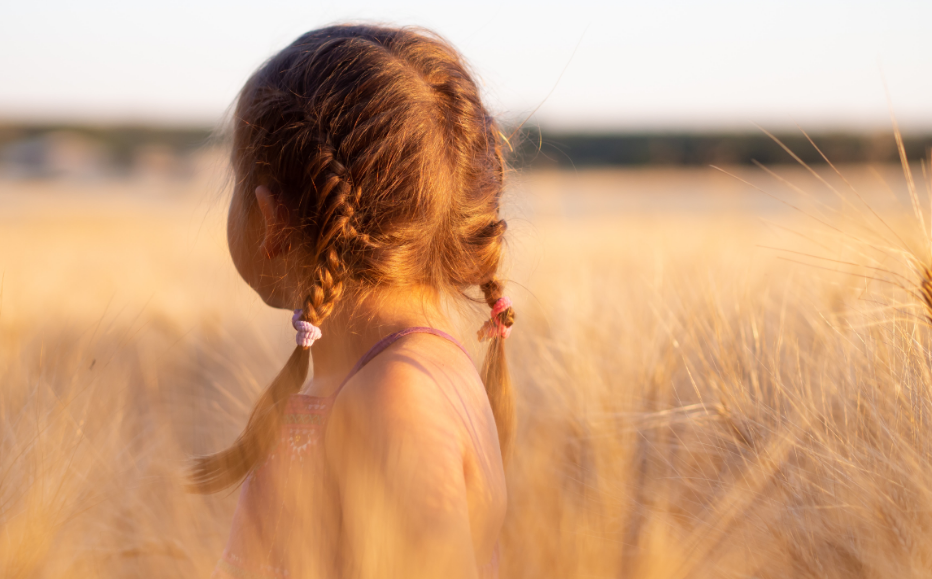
377, 142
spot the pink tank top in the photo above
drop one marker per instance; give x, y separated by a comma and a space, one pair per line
286, 521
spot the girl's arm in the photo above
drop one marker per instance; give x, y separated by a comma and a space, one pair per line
397, 454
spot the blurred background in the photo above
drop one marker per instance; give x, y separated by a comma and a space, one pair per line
658, 150
623, 107
110, 89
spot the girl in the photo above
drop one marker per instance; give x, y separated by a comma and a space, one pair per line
367, 191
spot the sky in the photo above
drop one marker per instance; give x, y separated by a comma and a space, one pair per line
576, 65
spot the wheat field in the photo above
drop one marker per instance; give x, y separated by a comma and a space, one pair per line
713, 381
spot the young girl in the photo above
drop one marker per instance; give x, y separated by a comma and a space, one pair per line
368, 183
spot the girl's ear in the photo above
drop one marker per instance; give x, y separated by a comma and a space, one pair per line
275, 217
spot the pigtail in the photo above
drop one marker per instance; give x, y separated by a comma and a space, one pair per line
215, 472
495, 373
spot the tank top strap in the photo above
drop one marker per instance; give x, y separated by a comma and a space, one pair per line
387, 341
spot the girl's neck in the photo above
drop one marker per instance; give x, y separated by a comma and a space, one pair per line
358, 324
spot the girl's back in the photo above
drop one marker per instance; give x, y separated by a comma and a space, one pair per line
421, 407
413, 400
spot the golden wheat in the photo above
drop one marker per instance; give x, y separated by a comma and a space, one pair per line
691, 404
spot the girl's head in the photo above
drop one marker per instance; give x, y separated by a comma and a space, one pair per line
373, 145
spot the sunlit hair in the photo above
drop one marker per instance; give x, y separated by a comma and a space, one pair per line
377, 142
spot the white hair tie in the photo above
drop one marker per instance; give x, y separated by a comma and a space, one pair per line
307, 334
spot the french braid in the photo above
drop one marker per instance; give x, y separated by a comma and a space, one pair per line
218, 471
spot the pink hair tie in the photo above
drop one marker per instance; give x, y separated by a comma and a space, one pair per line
308, 333
493, 327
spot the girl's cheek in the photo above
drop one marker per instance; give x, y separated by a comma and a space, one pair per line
236, 238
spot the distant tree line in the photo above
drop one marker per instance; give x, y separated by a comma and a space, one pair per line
119, 144
566, 150
536, 149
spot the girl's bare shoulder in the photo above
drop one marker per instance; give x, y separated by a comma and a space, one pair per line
393, 433
419, 385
